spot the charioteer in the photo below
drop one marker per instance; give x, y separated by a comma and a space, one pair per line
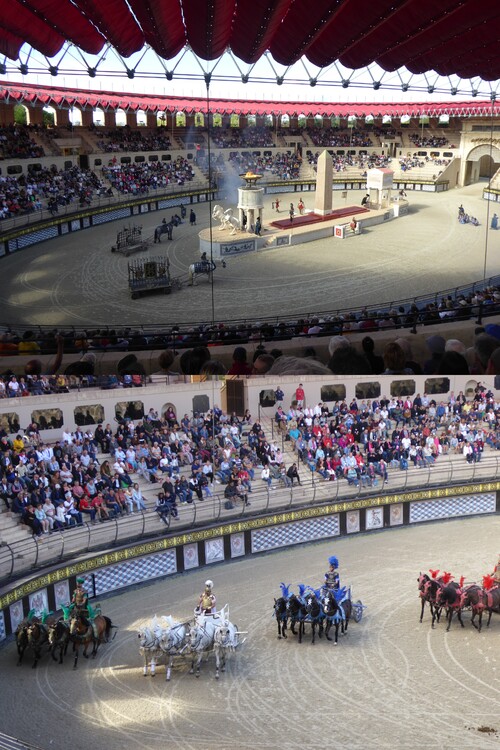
332, 578
207, 600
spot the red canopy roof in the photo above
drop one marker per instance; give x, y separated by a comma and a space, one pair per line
448, 37
65, 98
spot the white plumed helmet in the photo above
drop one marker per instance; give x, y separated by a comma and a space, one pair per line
209, 584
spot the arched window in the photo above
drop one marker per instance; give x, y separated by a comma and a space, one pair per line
268, 121
199, 120
386, 120
142, 119
21, 115
302, 121
75, 117
424, 121
405, 121
285, 121
217, 120
335, 122
251, 121
120, 118
161, 119
98, 117
369, 120
318, 121
49, 117
444, 121
234, 121
351, 121
180, 120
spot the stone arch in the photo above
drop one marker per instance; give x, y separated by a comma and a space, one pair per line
477, 152
75, 116
482, 161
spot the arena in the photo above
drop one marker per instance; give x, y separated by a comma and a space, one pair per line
421, 253
390, 682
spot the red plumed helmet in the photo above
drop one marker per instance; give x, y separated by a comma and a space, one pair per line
447, 577
433, 573
488, 582
461, 582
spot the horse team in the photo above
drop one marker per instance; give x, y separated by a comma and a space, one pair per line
56, 633
165, 639
321, 609
442, 593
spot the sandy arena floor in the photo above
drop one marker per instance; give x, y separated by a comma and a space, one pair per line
390, 683
76, 280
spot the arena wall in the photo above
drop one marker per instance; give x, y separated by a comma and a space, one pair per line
79, 407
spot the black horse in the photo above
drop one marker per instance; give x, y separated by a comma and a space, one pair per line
281, 614
59, 638
297, 613
166, 228
315, 615
337, 608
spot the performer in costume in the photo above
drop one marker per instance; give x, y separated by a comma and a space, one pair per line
80, 603
207, 601
80, 598
332, 578
496, 572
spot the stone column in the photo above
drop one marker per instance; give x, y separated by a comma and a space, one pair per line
323, 197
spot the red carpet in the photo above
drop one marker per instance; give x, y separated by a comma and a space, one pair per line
306, 219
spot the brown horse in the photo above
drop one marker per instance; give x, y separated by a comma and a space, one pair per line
83, 632
473, 596
428, 588
37, 637
449, 597
492, 601
59, 638
22, 641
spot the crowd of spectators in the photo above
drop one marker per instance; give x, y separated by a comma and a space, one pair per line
429, 141
128, 139
250, 137
362, 441
346, 162
16, 142
139, 179
198, 343
330, 137
418, 162
285, 166
49, 189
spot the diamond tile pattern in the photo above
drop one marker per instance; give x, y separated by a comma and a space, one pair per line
293, 533
451, 507
134, 571
3, 634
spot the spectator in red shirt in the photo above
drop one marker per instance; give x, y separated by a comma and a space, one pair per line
300, 396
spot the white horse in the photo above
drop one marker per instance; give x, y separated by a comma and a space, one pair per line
149, 648
173, 642
212, 633
226, 218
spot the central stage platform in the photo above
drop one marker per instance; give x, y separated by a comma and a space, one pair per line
302, 220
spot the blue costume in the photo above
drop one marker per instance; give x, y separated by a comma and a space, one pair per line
332, 578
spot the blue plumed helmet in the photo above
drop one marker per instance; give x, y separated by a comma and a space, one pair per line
333, 561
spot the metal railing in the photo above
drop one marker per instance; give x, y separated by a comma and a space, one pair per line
33, 553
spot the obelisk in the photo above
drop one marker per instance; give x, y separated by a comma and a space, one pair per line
323, 198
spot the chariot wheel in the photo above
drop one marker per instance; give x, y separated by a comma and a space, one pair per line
134, 295
357, 611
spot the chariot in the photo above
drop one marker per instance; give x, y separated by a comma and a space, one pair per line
129, 240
